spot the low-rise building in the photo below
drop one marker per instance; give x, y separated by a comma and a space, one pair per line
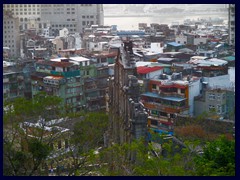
217, 102
13, 83
60, 79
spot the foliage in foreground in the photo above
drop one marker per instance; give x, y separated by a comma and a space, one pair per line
218, 158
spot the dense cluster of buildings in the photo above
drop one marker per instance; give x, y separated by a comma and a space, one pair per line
143, 78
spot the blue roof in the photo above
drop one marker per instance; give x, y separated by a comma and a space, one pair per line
174, 44
178, 99
229, 58
150, 94
170, 98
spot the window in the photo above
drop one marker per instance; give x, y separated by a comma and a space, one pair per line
154, 112
154, 86
182, 91
224, 107
84, 23
154, 122
219, 107
211, 108
223, 96
211, 96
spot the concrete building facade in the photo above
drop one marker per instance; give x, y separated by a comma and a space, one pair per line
25, 13
220, 102
11, 35
75, 17
13, 84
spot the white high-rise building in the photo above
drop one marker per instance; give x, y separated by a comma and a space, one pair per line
11, 36
25, 13
75, 17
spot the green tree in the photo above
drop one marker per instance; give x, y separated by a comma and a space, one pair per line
25, 149
87, 136
218, 158
139, 159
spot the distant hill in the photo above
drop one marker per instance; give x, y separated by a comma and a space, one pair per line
152, 8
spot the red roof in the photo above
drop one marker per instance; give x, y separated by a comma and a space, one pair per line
146, 70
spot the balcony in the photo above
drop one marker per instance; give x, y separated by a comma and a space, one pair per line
160, 118
93, 98
66, 74
91, 88
172, 94
165, 108
51, 85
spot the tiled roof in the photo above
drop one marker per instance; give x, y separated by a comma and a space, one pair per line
146, 70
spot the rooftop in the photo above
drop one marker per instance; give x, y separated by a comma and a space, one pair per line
174, 44
146, 70
170, 98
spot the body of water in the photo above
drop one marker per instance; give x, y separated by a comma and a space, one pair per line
131, 23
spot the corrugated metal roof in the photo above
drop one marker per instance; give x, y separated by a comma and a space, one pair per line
178, 99
174, 44
170, 98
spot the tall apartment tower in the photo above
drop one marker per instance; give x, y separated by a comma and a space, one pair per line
231, 24
25, 13
11, 36
75, 17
